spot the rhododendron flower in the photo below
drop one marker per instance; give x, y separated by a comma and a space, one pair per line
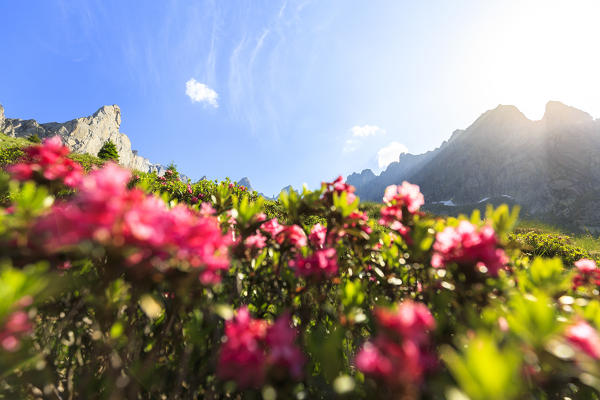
242, 357
293, 234
48, 162
398, 200
104, 211
320, 264
317, 235
256, 241
253, 347
400, 353
206, 210
339, 186
272, 227
16, 325
260, 217
585, 338
466, 245
410, 319
587, 273
406, 195
358, 219
282, 350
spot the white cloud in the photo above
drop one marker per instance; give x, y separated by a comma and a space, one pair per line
366, 130
201, 93
390, 153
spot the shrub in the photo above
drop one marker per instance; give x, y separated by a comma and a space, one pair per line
140, 286
108, 152
34, 139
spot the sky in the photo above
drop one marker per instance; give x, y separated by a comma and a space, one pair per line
292, 92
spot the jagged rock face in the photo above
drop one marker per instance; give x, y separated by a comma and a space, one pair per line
84, 135
550, 166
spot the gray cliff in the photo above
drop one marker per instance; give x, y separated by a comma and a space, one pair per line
84, 135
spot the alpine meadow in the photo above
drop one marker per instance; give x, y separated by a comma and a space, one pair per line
458, 260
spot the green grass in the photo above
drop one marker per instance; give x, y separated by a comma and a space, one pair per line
586, 241
7, 141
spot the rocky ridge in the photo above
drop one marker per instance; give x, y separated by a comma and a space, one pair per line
551, 166
84, 135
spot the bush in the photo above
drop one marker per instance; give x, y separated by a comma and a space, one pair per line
34, 139
140, 286
108, 152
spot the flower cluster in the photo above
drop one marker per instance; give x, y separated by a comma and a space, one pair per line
587, 273
49, 163
318, 234
292, 235
321, 264
400, 202
15, 327
338, 186
400, 353
469, 246
582, 336
104, 211
255, 349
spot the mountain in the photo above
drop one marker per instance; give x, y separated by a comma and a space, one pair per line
84, 135
550, 167
245, 181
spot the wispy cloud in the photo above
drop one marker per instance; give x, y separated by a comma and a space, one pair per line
359, 133
366, 130
199, 92
390, 153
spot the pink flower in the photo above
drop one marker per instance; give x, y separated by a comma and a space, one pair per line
465, 245
242, 357
16, 325
256, 241
260, 217
189, 189
398, 200
338, 186
321, 264
254, 348
587, 273
207, 210
407, 195
585, 265
358, 219
400, 353
585, 338
294, 235
410, 320
48, 162
283, 353
127, 221
272, 227
317, 235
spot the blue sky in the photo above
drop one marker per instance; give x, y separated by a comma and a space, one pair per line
287, 92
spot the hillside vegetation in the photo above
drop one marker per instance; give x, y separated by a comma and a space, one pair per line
117, 284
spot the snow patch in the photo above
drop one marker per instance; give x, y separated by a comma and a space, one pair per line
445, 203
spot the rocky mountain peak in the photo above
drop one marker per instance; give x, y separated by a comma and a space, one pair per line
84, 135
558, 114
111, 113
245, 181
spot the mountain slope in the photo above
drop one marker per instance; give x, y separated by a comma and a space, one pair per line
550, 166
